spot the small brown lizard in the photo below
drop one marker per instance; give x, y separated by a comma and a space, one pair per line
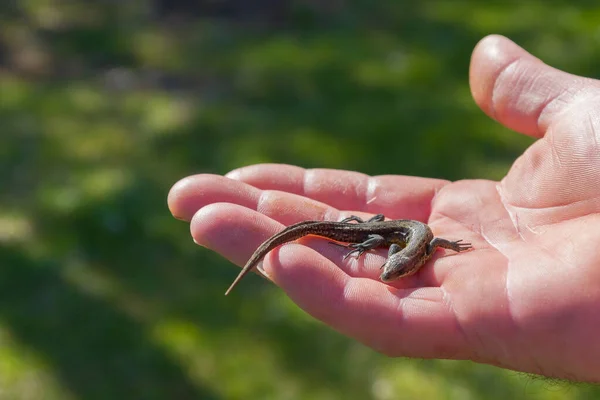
411, 243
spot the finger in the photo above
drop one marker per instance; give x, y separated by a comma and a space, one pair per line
195, 192
192, 193
397, 322
395, 196
232, 230
235, 232
519, 90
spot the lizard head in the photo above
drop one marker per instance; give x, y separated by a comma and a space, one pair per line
399, 267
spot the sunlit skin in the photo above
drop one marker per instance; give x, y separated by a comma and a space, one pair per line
527, 297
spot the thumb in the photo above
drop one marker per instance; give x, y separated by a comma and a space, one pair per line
554, 179
517, 89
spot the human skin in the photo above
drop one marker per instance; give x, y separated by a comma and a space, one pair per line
527, 297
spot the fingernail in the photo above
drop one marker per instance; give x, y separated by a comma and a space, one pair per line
199, 244
260, 269
235, 174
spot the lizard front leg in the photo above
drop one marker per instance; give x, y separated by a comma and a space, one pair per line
375, 218
457, 245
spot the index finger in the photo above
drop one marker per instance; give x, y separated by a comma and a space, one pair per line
348, 190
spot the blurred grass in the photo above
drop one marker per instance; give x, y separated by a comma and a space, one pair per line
104, 105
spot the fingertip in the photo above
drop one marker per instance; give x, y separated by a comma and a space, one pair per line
175, 201
235, 174
230, 229
207, 222
491, 56
192, 193
518, 89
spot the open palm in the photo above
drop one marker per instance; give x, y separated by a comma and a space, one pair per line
525, 298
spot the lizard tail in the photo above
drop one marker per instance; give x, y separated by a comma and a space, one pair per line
289, 234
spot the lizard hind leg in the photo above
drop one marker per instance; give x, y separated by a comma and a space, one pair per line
356, 248
372, 242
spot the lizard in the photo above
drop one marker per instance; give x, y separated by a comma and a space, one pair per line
411, 243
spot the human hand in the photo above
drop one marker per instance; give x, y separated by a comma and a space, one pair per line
526, 298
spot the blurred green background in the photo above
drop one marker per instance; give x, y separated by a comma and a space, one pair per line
105, 104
